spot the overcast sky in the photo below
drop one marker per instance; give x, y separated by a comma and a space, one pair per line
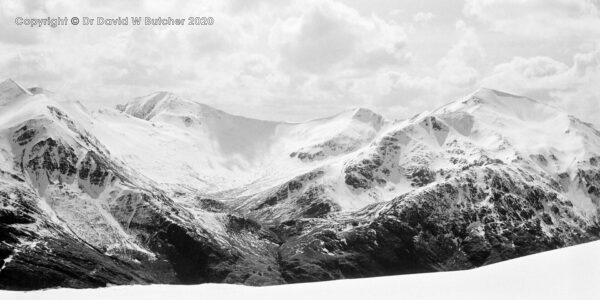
297, 60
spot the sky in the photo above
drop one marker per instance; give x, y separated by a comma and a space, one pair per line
298, 60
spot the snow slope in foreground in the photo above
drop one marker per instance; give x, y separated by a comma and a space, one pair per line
568, 273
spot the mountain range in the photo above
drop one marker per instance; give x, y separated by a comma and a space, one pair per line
164, 189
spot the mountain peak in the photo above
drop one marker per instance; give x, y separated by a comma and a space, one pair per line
10, 89
487, 95
494, 103
149, 106
483, 91
162, 95
146, 107
361, 112
363, 115
496, 100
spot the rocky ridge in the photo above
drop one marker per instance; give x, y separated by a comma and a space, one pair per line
90, 199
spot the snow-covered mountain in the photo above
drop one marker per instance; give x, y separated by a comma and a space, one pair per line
168, 190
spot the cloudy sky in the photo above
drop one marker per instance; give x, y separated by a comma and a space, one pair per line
297, 60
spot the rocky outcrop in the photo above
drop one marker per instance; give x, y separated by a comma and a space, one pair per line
447, 226
300, 197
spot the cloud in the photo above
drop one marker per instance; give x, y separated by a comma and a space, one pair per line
423, 17
404, 94
20, 35
455, 74
529, 74
293, 60
328, 36
573, 87
458, 66
538, 19
35, 66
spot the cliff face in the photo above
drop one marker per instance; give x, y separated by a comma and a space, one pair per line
168, 190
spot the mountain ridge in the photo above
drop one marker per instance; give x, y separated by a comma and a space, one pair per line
151, 196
